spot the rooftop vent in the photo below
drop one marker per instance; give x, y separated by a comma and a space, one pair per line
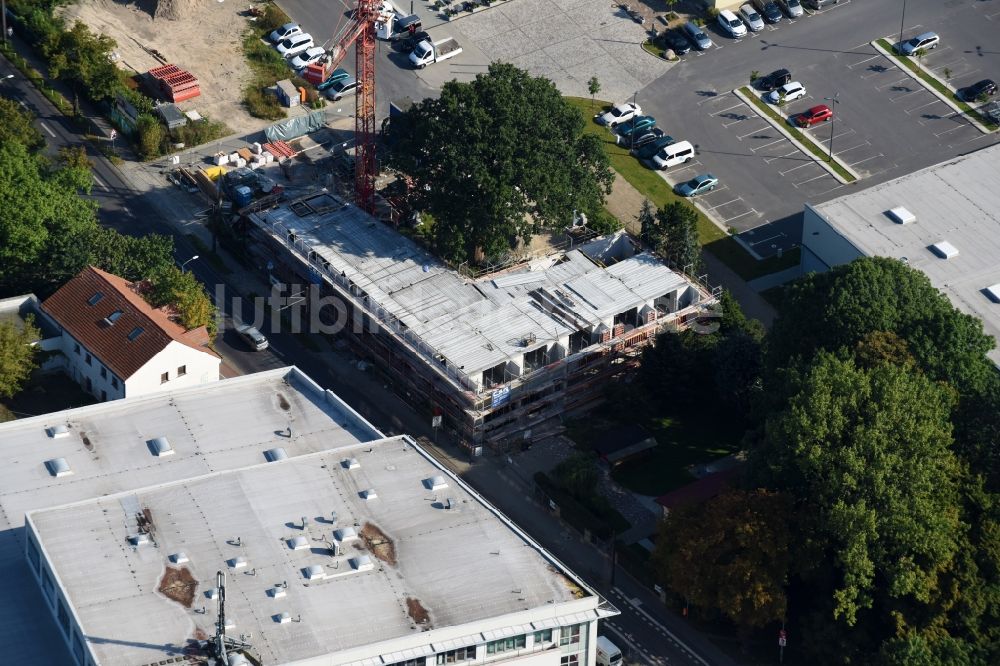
345, 534
314, 572
58, 467
179, 558
58, 432
275, 454
93, 300
160, 447
113, 317
140, 539
993, 292
350, 463
298, 543
277, 592
212, 592
239, 562
369, 494
282, 618
134, 333
944, 249
362, 563
900, 215
435, 483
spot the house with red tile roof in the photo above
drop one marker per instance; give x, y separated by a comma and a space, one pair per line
117, 345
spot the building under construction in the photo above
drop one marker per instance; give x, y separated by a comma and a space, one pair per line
501, 357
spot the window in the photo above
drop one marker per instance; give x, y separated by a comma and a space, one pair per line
419, 661
104, 372
47, 585
506, 644
104, 395
95, 298
136, 332
113, 317
570, 660
165, 377
76, 348
543, 636
452, 656
569, 635
181, 371
114, 382
88, 360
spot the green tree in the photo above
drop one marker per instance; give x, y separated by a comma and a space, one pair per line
17, 355
497, 159
646, 218
45, 224
181, 290
150, 133
868, 452
18, 125
81, 58
839, 308
133, 258
738, 365
593, 87
730, 554
75, 157
578, 474
675, 236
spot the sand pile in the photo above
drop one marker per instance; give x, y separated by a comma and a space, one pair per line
175, 10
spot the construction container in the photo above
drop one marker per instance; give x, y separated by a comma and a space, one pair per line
316, 73
287, 94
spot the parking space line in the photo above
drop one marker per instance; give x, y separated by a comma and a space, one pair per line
756, 131
847, 150
803, 182
874, 57
730, 219
768, 160
956, 127
724, 204
767, 144
854, 164
850, 131
922, 106
832, 189
733, 122
804, 164
728, 108
905, 79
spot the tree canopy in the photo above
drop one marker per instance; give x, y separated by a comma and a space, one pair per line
81, 57
181, 290
673, 233
16, 355
16, 125
496, 159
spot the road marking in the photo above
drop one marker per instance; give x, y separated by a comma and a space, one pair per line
738, 120
956, 127
847, 150
804, 164
46, 128
723, 204
874, 57
803, 182
728, 108
756, 131
854, 164
127, 211
850, 131
767, 144
768, 160
916, 108
100, 182
668, 632
730, 219
832, 189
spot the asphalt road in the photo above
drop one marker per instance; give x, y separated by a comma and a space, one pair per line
886, 125
648, 634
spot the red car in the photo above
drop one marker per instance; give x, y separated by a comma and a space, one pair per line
817, 114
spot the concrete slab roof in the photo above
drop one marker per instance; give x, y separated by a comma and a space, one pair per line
223, 425
467, 569
956, 202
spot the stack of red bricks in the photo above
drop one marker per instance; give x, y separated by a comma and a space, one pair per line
280, 150
175, 84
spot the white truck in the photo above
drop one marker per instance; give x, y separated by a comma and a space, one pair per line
428, 53
608, 653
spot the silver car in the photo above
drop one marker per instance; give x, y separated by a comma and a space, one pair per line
791, 7
697, 36
751, 17
252, 337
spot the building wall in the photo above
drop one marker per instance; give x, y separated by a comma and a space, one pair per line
82, 365
824, 247
199, 368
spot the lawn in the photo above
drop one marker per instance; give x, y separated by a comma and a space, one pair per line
685, 440
654, 188
800, 136
936, 84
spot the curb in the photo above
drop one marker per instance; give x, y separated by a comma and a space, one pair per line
931, 89
798, 144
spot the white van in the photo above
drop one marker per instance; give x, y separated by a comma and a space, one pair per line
607, 653
672, 155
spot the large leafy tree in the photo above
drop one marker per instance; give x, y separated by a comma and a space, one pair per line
867, 454
16, 125
170, 286
81, 57
130, 257
17, 356
673, 233
730, 554
496, 159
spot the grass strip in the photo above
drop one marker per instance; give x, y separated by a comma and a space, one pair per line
798, 134
653, 187
649, 47
936, 83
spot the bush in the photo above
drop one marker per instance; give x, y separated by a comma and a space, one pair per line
199, 132
273, 18
262, 105
150, 136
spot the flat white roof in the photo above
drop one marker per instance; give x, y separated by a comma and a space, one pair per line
467, 569
957, 208
474, 324
223, 425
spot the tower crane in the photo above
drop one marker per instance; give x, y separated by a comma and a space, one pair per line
361, 33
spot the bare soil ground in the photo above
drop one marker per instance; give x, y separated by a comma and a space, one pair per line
417, 611
380, 545
179, 585
204, 39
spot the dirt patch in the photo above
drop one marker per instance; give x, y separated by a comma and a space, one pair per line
378, 543
179, 585
201, 36
416, 611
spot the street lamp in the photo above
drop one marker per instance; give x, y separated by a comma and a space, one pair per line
833, 107
902, 20
188, 262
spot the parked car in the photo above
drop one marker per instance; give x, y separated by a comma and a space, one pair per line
342, 88
252, 337
671, 155
978, 90
751, 17
731, 24
307, 57
282, 33
295, 45
817, 114
619, 114
338, 74
700, 184
769, 10
922, 42
787, 93
676, 42
647, 151
634, 129
409, 43
792, 7
643, 138
775, 79
819, 4
991, 111
697, 36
